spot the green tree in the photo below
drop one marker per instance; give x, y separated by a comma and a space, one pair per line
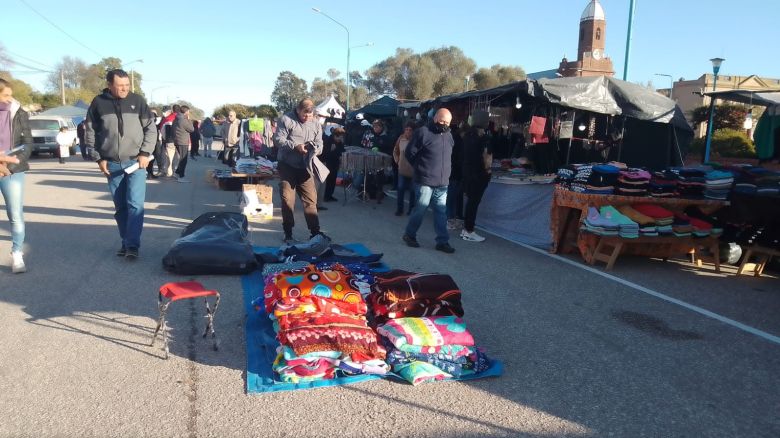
242, 111
195, 112
384, 77
321, 89
23, 92
497, 75
47, 100
727, 116
265, 111
288, 90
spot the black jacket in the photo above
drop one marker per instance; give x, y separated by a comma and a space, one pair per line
20, 135
120, 129
331, 152
474, 148
430, 154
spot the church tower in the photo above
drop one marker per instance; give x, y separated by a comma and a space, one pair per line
591, 59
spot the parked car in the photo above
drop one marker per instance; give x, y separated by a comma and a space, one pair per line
44, 131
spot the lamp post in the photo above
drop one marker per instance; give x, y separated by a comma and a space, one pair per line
468, 79
716, 62
151, 95
132, 73
671, 84
348, 48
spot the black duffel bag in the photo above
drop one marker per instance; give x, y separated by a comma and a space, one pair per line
214, 243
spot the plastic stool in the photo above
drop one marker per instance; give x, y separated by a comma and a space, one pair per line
182, 291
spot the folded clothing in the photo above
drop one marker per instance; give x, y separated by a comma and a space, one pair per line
426, 335
398, 294
661, 215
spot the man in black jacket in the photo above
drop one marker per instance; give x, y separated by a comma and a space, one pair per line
182, 128
430, 154
120, 128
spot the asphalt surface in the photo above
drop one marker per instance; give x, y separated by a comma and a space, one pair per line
584, 355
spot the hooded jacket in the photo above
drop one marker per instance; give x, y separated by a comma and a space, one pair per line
182, 128
430, 154
20, 135
120, 129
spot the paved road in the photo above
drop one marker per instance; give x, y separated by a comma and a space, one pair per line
585, 355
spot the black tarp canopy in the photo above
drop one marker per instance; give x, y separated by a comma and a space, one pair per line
385, 106
656, 135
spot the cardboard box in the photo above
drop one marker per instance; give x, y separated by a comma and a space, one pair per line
265, 193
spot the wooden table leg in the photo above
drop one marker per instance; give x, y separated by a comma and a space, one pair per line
745, 261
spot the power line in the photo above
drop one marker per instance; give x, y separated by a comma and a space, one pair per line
29, 66
16, 55
60, 29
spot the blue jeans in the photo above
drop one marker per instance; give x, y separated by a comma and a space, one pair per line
128, 192
426, 194
12, 188
405, 184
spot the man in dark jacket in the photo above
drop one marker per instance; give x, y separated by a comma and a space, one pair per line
80, 133
182, 128
121, 131
331, 156
430, 154
477, 159
298, 135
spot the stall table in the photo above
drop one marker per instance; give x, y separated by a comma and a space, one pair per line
569, 210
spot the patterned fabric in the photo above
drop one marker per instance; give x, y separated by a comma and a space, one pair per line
426, 333
307, 334
308, 285
399, 294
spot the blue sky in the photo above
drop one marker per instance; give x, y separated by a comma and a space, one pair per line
233, 52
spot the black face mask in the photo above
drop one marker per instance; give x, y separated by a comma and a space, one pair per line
441, 128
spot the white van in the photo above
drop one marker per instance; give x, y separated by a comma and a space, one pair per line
44, 132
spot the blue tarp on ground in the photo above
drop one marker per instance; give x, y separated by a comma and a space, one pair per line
261, 343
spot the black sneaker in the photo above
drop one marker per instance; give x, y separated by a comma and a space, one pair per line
331, 199
410, 241
131, 253
121, 252
445, 247
322, 207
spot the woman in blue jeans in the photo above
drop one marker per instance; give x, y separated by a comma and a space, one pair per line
14, 132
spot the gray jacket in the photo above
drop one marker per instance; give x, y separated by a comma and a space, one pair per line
290, 132
182, 127
120, 129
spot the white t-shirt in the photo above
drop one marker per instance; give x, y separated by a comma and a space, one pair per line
64, 142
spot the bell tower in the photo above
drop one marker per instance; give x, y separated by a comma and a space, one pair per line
591, 59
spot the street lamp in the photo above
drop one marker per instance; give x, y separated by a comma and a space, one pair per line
468, 79
132, 73
671, 83
716, 62
348, 48
151, 94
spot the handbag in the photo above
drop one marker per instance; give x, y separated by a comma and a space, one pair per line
319, 169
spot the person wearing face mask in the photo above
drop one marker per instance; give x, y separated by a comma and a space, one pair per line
430, 154
14, 132
331, 156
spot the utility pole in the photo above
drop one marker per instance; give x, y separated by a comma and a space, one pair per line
62, 86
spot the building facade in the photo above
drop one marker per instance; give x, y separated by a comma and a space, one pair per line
592, 59
688, 94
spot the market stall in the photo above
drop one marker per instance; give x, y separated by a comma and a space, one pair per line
537, 126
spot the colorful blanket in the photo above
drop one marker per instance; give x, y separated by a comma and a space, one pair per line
398, 294
426, 334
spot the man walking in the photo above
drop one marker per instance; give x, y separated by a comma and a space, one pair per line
298, 136
430, 153
230, 131
182, 128
120, 129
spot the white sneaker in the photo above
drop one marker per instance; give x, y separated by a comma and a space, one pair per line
471, 237
17, 264
182, 180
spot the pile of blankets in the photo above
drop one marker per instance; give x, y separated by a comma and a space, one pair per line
319, 315
418, 318
690, 182
718, 184
633, 182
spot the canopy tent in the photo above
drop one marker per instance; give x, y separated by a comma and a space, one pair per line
767, 132
81, 104
75, 113
330, 108
385, 106
656, 133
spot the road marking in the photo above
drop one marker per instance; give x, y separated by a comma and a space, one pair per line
744, 327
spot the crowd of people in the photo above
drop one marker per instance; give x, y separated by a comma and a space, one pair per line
122, 134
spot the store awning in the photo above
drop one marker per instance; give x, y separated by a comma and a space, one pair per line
767, 98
